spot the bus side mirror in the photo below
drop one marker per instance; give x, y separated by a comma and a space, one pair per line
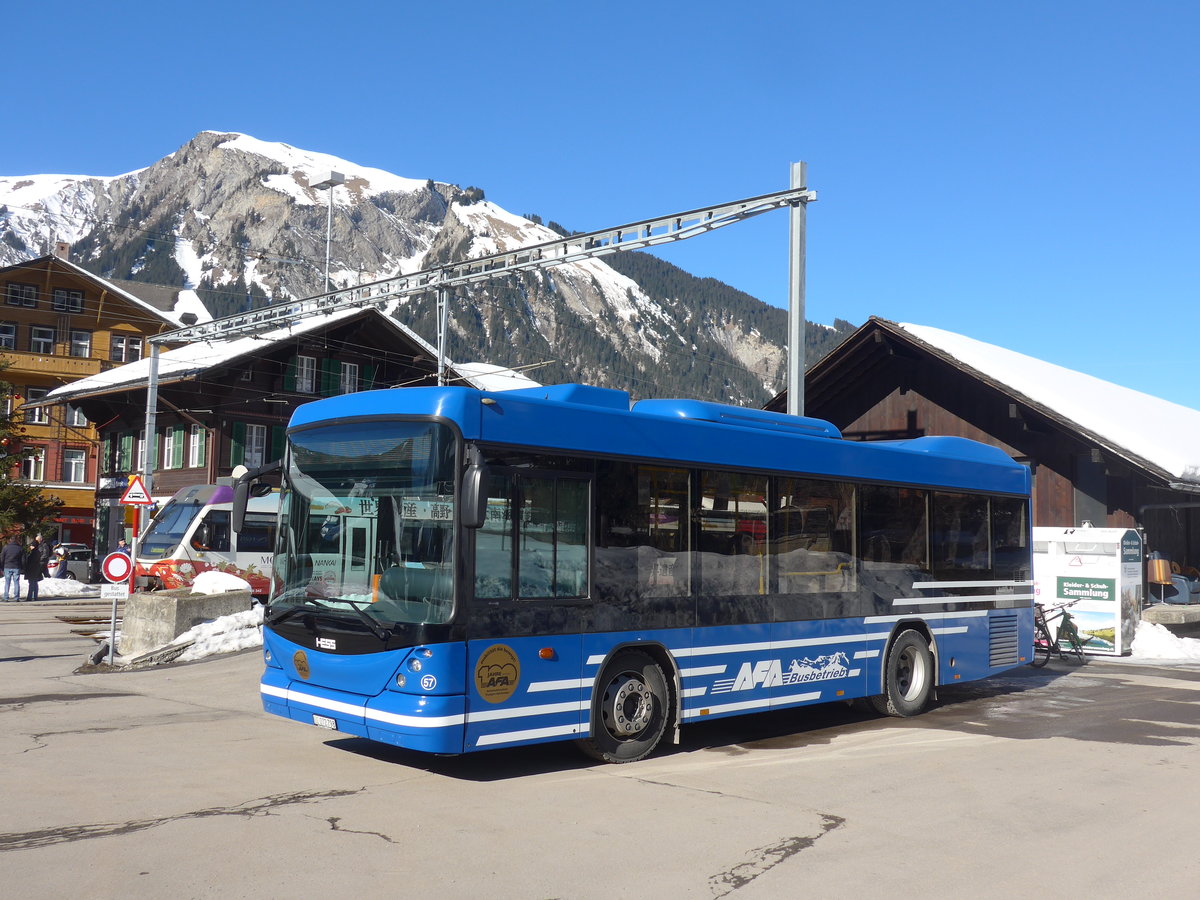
237, 512
473, 506
244, 488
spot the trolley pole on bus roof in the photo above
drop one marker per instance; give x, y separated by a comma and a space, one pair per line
795, 350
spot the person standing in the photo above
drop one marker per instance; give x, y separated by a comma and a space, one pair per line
12, 559
34, 568
59, 555
42, 549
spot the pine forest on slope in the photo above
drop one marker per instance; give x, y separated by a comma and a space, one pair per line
237, 219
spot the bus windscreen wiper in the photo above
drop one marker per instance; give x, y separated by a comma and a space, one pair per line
372, 624
276, 618
378, 630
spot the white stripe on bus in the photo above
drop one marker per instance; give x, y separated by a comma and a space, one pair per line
961, 614
762, 703
938, 585
702, 670
508, 737
982, 598
564, 685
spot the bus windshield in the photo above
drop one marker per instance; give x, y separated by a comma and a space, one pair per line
168, 529
367, 522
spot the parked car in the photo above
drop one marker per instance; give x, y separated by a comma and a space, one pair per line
79, 563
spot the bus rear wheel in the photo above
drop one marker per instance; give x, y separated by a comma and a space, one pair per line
908, 677
629, 709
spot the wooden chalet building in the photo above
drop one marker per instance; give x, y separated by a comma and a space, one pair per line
225, 403
60, 323
1099, 452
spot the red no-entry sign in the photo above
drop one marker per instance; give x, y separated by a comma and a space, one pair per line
117, 566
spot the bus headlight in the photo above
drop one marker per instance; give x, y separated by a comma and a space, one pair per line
414, 665
401, 680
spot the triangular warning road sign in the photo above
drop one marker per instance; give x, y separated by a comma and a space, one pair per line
136, 494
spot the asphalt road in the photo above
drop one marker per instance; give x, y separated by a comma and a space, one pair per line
1068, 781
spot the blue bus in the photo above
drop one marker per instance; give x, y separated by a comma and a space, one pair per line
459, 570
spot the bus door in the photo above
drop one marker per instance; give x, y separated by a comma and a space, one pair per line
358, 537
531, 584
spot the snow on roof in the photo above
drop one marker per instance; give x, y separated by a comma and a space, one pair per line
192, 359
170, 317
1162, 433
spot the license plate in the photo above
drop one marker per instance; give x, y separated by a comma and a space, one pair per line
325, 722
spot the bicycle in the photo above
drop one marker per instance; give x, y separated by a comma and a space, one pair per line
1044, 644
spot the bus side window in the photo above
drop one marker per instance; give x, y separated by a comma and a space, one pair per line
642, 546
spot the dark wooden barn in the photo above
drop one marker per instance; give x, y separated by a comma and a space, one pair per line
1099, 452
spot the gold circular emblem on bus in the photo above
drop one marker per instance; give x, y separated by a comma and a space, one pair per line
300, 661
497, 673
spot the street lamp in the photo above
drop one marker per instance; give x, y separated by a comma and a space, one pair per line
332, 180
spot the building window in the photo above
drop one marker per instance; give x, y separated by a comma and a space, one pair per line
349, 377
125, 348
169, 449
22, 294
68, 301
8, 336
306, 374
81, 344
40, 415
139, 454
33, 468
256, 446
197, 441
75, 466
41, 340
75, 417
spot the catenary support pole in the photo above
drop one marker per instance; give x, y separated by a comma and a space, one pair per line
795, 353
443, 309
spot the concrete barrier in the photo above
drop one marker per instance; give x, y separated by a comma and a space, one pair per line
153, 619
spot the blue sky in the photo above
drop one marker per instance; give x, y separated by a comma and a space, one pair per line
1023, 173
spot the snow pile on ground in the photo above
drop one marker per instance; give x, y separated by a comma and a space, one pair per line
227, 634
214, 582
49, 588
1153, 641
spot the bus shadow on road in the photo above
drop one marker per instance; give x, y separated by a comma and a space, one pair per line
1092, 702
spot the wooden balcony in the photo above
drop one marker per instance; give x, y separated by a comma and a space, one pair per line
68, 367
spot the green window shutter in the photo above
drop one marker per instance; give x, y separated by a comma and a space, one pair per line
289, 374
367, 377
125, 454
203, 454
105, 454
331, 374
237, 447
177, 448
277, 437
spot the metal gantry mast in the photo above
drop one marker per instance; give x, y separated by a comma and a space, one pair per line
577, 247
633, 236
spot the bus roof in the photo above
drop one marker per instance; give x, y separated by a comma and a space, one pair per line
585, 419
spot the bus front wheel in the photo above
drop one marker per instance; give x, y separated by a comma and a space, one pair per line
629, 709
908, 677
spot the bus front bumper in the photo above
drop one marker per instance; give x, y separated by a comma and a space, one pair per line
433, 724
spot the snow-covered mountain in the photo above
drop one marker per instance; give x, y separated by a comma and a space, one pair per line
237, 219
